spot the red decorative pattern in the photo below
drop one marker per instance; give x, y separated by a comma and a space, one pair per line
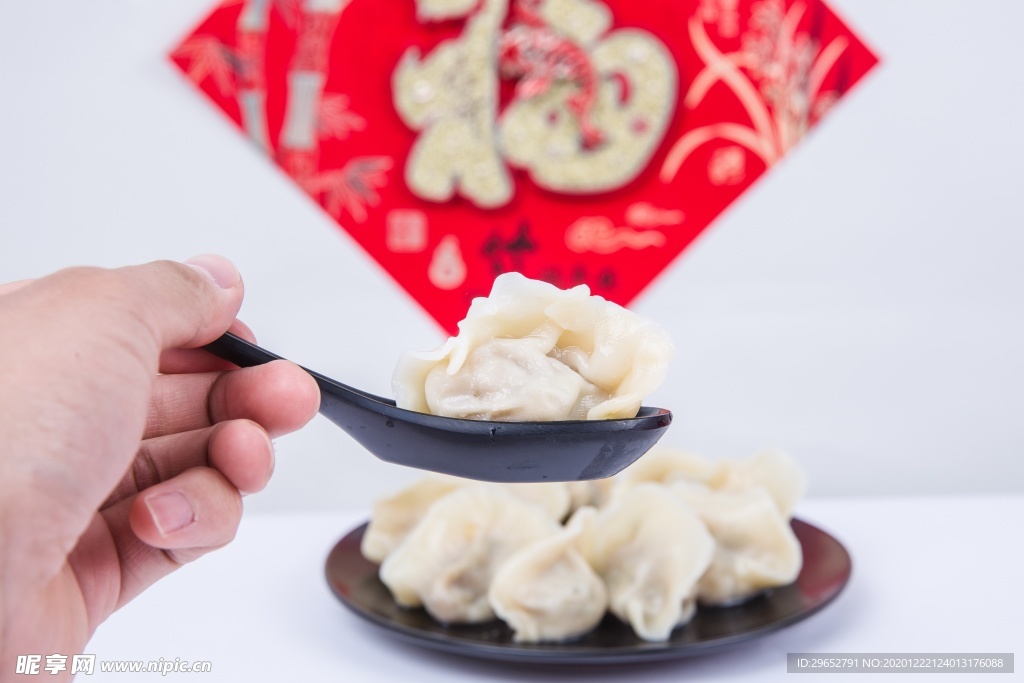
571, 140
538, 56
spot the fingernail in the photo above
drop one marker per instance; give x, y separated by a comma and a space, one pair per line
171, 512
217, 268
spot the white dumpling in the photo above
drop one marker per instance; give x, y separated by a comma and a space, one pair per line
755, 547
554, 497
547, 591
651, 550
531, 351
775, 471
508, 379
665, 466
393, 517
447, 561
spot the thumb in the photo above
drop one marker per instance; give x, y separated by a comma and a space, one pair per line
182, 305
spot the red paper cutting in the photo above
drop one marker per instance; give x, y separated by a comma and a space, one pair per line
575, 141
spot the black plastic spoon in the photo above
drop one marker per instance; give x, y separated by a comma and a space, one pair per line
476, 449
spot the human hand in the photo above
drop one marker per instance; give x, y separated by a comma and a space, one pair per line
112, 475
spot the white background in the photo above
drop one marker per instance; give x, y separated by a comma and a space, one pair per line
861, 306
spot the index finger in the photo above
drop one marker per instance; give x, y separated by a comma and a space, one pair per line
180, 361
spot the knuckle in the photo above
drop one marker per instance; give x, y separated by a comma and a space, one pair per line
112, 299
174, 271
144, 293
145, 472
186, 275
94, 283
181, 557
186, 283
107, 314
193, 294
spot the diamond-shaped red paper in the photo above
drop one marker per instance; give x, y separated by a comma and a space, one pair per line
311, 83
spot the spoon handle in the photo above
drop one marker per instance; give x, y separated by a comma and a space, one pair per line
245, 354
240, 352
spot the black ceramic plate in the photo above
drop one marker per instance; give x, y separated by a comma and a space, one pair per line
826, 570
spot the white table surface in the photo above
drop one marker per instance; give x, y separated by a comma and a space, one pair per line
931, 574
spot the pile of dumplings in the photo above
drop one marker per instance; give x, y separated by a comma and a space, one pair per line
672, 531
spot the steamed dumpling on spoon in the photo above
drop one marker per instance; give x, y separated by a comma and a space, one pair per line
533, 352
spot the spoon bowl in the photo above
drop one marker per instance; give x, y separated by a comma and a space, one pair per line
511, 452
